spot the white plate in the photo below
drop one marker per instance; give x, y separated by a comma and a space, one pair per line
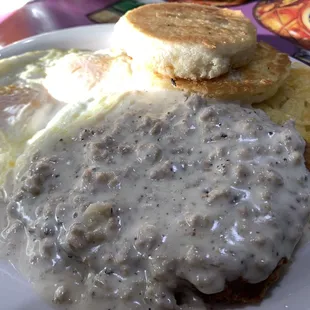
92, 37
292, 292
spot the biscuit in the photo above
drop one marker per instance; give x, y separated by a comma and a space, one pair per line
256, 82
189, 41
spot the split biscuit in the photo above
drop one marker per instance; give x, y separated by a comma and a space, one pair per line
189, 41
257, 81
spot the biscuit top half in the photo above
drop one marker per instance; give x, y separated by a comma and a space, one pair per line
192, 23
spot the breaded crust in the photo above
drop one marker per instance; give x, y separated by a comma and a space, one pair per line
307, 156
186, 40
256, 82
240, 291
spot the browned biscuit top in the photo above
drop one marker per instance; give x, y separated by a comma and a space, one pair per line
192, 23
213, 2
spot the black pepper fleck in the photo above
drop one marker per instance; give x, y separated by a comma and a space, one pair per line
108, 271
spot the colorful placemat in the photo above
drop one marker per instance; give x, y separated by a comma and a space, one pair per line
285, 24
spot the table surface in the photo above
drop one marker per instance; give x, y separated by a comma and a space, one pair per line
47, 15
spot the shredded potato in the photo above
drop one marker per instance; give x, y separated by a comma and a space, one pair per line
292, 101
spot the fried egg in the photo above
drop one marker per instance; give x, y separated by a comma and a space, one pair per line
90, 83
84, 76
24, 109
52, 90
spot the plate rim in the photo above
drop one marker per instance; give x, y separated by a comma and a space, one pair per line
60, 32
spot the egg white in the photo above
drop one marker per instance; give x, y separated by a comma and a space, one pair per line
25, 108
86, 76
42, 93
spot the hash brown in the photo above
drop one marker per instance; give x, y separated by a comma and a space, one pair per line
292, 101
